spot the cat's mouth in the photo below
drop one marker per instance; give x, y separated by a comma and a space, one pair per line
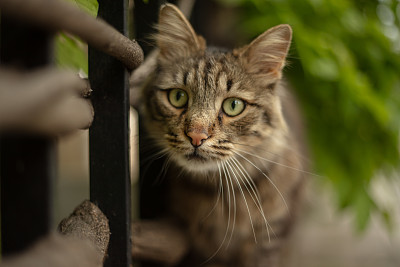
195, 156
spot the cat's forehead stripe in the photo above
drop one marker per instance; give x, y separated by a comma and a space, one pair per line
229, 85
209, 75
185, 78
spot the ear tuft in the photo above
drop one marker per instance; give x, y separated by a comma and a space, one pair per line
176, 37
266, 55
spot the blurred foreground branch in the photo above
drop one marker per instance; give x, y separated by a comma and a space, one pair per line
56, 251
61, 15
45, 101
87, 222
83, 243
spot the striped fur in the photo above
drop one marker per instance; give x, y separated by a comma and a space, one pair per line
236, 193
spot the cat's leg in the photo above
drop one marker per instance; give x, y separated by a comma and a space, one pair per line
161, 241
267, 255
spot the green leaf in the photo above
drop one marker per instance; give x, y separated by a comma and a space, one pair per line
90, 6
71, 52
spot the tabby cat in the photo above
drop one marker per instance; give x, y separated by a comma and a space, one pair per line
219, 119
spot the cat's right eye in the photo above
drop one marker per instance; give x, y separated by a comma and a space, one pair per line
233, 106
178, 98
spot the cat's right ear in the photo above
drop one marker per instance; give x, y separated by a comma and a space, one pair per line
176, 37
266, 55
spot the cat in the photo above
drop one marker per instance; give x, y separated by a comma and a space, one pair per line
226, 130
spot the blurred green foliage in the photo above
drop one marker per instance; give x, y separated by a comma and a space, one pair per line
70, 51
345, 68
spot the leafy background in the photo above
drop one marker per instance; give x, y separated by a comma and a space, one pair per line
344, 67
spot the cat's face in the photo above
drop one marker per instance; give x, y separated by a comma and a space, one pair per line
203, 106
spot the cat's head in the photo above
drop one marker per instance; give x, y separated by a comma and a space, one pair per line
204, 105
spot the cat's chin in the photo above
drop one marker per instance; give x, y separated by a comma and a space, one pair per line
196, 164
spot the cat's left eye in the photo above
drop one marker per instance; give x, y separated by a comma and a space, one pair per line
233, 106
178, 98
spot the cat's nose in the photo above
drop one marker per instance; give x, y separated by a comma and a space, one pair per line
197, 138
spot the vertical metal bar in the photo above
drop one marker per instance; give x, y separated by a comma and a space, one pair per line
26, 161
109, 139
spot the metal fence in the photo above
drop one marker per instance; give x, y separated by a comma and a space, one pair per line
27, 161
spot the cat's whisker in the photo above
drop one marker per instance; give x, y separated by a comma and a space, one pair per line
262, 149
276, 155
233, 171
230, 183
220, 192
163, 170
155, 153
147, 162
293, 150
266, 176
277, 163
222, 166
248, 181
247, 178
222, 188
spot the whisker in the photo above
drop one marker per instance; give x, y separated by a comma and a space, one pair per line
278, 163
221, 165
154, 156
266, 176
149, 161
163, 171
256, 199
222, 188
295, 151
229, 178
286, 146
248, 179
220, 192
244, 198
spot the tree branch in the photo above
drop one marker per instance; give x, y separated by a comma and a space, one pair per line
61, 15
87, 222
56, 251
47, 101
84, 241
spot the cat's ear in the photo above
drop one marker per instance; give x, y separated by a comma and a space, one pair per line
266, 55
176, 37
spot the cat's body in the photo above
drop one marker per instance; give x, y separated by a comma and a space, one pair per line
232, 163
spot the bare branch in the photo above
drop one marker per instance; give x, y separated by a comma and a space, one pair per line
56, 251
61, 15
84, 242
87, 222
45, 101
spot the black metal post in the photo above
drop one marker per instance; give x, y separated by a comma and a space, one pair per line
27, 165
109, 139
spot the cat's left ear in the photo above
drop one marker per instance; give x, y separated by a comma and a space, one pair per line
176, 37
266, 55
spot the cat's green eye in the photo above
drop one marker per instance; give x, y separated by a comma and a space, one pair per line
178, 98
233, 106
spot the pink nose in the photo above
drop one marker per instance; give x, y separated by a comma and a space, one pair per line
197, 138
